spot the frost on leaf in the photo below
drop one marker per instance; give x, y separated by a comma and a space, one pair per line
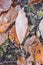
5, 5
41, 28
21, 25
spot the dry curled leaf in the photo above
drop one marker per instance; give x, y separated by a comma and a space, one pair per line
31, 44
13, 36
12, 14
21, 61
21, 25
5, 5
32, 2
4, 27
9, 16
14, 3
39, 53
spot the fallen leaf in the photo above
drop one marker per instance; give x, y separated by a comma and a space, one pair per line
21, 61
9, 16
32, 2
4, 27
5, 5
12, 13
28, 43
31, 43
39, 53
21, 25
13, 35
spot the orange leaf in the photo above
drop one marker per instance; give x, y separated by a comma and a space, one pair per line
34, 1
4, 27
12, 35
21, 61
39, 54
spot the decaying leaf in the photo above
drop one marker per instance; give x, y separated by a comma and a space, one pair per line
32, 2
31, 43
13, 35
21, 25
33, 46
28, 43
21, 61
9, 16
12, 14
14, 2
39, 53
4, 27
5, 5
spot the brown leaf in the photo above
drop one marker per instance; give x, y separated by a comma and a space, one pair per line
39, 53
5, 5
31, 44
32, 2
4, 27
21, 61
9, 16
13, 35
